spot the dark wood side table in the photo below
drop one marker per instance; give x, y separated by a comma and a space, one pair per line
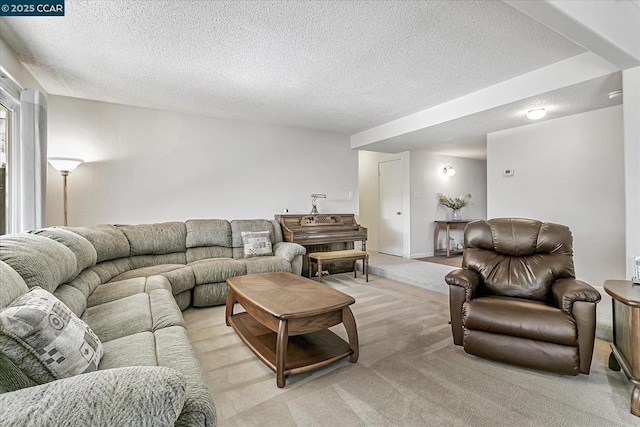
625, 348
448, 225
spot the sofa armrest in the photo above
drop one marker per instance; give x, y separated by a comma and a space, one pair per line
568, 291
146, 395
467, 279
288, 250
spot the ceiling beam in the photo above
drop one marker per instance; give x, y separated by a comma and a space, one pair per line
610, 29
574, 70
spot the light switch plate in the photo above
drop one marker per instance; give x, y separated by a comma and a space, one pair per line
508, 172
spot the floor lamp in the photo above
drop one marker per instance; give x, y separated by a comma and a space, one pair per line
65, 165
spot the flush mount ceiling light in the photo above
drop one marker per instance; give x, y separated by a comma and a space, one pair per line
615, 94
536, 114
449, 170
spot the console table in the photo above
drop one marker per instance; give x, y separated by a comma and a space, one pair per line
625, 348
448, 225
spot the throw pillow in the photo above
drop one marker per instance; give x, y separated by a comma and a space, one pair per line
50, 332
256, 243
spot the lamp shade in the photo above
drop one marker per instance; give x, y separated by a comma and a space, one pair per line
64, 163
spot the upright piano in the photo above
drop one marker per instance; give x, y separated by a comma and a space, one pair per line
322, 233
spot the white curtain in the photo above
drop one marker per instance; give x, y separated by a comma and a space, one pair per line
28, 164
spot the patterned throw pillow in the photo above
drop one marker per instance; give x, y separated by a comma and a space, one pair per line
51, 333
256, 243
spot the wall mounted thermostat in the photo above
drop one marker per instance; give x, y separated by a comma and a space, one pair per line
508, 172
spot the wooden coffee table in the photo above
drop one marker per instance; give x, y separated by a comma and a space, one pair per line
286, 322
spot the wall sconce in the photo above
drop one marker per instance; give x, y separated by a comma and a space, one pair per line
65, 165
449, 171
314, 197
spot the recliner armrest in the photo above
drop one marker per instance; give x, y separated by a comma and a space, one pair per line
567, 291
465, 278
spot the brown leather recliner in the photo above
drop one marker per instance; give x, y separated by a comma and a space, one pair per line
516, 299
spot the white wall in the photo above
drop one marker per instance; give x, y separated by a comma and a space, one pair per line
423, 180
631, 109
146, 165
427, 180
369, 202
11, 65
570, 171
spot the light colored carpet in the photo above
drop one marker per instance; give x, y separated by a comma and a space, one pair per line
429, 275
454, 261
409, 374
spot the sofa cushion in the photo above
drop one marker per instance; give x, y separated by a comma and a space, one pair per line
141, 261
204, 252
267, 265
174, 350
155, 239
180, 280
208, 232
183, 299
38, 260
107, 270
277, 232
12, 377
85, 253
146, 271
119, 318
132, 396
164, 310
86, 282
256, 243
513, 317
131, 350
116, 290
108, 241
250, 225
12, 285
208, 294
144, 312
40, 323
124, 288
217, 270
72, 298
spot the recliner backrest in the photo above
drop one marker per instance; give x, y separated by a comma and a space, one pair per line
518, 257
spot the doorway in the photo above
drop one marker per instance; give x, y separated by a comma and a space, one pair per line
391, 221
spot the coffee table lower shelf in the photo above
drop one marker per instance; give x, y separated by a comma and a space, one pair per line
304, 352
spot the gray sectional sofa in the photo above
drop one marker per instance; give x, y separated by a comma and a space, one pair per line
129, 284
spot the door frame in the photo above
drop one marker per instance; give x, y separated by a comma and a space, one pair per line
404, 158
397, 244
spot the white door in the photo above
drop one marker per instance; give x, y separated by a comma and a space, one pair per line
390, 197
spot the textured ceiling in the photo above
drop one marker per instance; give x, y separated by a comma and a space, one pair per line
334, 66
466, 136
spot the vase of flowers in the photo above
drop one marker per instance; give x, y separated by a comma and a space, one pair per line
454, 203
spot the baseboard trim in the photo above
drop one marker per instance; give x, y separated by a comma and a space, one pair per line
421, 255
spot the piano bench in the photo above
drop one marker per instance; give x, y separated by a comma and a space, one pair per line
320, 258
